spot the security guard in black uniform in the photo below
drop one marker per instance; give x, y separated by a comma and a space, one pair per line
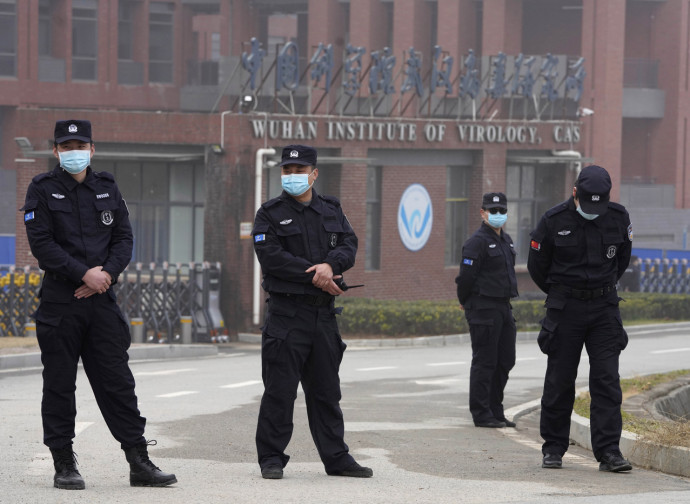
304, 244
78, 229
578, 252
485, 285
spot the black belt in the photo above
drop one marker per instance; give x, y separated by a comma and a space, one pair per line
305, 298
60, 278
585, 294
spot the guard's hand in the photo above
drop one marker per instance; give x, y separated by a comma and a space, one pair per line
97, 279
323, 278
462, 308
84, 291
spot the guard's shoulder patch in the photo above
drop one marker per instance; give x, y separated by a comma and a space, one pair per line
557, 209
104, 175
41, 176
330, 199
467, 261
535, 245
29, 216
258, 238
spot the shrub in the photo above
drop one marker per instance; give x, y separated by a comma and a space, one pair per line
362, 317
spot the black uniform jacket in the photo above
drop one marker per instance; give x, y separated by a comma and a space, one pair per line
290, 237
569, 250
72, 227
487, 268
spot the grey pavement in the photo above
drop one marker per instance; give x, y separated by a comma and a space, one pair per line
405, 412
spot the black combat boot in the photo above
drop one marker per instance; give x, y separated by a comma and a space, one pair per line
66, 475
142, 472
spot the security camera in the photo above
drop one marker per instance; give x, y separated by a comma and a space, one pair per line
584, 112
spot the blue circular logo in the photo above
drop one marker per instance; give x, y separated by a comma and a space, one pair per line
415, 217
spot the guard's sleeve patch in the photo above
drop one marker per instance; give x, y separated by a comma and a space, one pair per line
29, 216
630, 232
259, 238
467, 261
535, 245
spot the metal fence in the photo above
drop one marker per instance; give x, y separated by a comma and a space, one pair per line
669, 276
157, 301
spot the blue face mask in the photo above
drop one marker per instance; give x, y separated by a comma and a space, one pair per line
75, 161
295, 184
588, 216
497, 220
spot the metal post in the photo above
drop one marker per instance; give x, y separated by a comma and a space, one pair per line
186, 325
30, 329
137, 324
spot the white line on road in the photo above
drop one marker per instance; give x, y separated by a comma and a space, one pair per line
444, 381
380, 368
241, 384
525, 359
163, 373
178, 394
670, 350
446, 363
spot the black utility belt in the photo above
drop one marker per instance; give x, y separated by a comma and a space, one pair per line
585, 294
60, 278
307, 299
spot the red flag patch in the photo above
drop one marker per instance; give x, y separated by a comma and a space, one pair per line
535, 245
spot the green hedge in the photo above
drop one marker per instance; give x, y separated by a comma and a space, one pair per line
370, 317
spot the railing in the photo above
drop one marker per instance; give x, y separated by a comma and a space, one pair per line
159, 297
669, 276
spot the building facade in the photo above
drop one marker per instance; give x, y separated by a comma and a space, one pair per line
417, 107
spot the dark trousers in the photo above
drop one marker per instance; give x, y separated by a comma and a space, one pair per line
301, 343
570, 324
93, 329
492, 330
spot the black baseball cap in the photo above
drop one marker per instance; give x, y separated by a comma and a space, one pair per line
298, 154
593, 189
72, 129
494, 200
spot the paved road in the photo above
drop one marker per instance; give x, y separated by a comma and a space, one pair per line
406, 417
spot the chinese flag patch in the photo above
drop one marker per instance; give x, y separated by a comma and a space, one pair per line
535, 245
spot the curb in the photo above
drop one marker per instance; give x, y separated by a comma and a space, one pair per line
136, 353
667, 459
459, 339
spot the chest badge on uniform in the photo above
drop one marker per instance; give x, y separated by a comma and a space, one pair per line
332, 240
492, 245
104, 195
286, 222
565, 232
611, 252
58, 196
107, 217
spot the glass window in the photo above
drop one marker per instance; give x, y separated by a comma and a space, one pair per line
531, 191
198, 234
181, 230
181, 183
45, 30
457, 212
161, 42
84, 39
8, 38
372, 260
155, 185
128, 179
199, 184
125, 30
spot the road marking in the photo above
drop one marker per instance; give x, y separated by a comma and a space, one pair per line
178, 394
444, 381
457, 363
525, 359
670, 350
241, 384
380, 368
163, 373
240, 354
80, 427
